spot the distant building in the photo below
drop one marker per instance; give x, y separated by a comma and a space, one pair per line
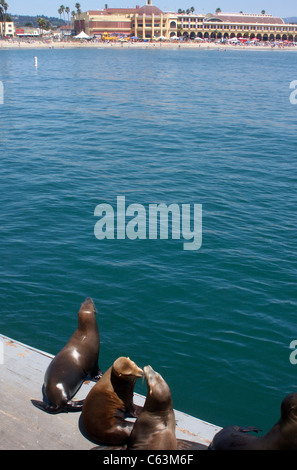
249, 26
149, 22
27, 31
9, 30
64, 31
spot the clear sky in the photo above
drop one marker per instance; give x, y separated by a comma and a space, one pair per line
50, 7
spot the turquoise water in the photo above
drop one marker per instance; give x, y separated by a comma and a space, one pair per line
174, 126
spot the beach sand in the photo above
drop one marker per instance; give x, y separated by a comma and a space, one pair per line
35, 44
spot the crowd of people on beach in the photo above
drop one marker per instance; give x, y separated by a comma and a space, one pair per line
197, 42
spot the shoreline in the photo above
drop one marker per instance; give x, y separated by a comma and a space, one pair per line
140, 45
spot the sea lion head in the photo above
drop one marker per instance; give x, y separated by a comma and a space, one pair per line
88, 306
158, 394
126, 369
289, 408
86, 315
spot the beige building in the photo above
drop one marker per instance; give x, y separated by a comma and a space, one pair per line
240, 25
149, 22
9, 30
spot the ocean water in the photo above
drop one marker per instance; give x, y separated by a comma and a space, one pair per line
157, 126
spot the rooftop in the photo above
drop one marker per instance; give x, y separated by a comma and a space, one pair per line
248, 18
148, 10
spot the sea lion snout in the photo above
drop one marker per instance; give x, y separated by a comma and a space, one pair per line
150, 374
88, 306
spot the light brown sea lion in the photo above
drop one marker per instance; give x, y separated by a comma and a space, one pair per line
282, 436
108, 402
77, 361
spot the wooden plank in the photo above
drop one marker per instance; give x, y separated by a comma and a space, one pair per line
23, 426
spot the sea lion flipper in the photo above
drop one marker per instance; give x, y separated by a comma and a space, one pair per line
46, 407
74, 405
249, 429
98, 376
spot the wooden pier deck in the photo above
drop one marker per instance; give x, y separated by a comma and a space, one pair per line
23, 426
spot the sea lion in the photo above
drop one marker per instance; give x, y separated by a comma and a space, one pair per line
77, 361
109, 401
282, 436
154, 429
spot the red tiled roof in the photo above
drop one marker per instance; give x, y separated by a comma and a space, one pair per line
148, 10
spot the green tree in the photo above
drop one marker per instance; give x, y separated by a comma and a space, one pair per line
263, 12
3, 14
42, 24
218, 10
67, 10
78, 10
62, 8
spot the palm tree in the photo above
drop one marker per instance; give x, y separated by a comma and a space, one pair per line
263, 12
77, 6
3, 12
41, 23
60, 11
67, 10
63, 11
218, 10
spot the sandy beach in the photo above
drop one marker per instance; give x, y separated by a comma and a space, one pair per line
35, 44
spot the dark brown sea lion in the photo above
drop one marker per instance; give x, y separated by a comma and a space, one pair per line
282, 436
154, 429
108, 402
76, 362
